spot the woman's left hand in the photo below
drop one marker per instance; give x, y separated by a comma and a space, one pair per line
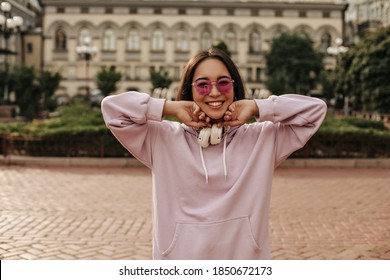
239, 112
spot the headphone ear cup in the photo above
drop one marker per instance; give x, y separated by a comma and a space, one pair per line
204, 137
216, 135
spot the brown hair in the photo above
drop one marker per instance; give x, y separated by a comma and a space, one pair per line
185, 88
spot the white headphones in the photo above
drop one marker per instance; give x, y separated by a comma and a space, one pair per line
210, 135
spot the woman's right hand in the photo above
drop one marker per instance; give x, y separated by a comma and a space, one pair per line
186, 112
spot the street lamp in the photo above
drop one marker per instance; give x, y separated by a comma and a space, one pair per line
86, 52
338, 48
9, 25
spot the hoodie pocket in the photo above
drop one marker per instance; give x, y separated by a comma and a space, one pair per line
227, 239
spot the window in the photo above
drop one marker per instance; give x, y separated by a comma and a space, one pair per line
84, 10
231, 40
302, 14
157, 40
84, 33
278, 13
249, 74
109, 40
326, 41
205, 40
182, 41
254, 42
30, 48
60, 39
133, 40
258, 74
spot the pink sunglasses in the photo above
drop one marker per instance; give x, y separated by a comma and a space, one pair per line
203, 87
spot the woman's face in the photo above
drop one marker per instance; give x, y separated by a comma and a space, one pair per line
215, 103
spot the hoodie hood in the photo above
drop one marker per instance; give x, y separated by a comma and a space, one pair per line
229, 134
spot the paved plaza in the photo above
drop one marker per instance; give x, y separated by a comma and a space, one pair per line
105, 213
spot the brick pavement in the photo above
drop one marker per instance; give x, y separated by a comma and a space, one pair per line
105, 213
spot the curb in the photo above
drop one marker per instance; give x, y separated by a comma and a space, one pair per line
132, 162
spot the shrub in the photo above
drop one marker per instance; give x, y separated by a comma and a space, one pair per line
80, 131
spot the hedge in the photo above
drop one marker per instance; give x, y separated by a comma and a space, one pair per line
80, 132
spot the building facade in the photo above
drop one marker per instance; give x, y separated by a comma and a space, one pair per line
24, 45
365, 15
139, 36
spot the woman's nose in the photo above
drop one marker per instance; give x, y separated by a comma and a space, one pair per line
214, 90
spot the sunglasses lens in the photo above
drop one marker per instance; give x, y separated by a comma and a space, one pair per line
224, 85
203, 87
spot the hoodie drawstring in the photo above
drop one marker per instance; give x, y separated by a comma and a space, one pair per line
225, 173
204, 164
224, 158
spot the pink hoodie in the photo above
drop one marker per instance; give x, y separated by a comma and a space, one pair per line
212, 203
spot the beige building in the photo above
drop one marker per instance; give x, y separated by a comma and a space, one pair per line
137, 36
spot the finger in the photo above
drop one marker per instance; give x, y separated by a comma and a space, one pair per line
233, 123
220, 124
198, 124
196, 109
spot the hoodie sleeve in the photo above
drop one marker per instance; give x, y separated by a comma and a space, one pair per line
130, 118
296, 118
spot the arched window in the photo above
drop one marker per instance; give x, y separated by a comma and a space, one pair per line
157, 40
109, 40
60, 39
254, 42
133, 40
182, 41
231, 40
206, 40
84, 36
326, 41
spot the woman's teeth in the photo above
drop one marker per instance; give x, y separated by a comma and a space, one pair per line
215, 103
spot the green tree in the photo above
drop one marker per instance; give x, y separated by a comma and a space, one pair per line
27, 91
160, 79
48, 82
364, 70
222, 46
107, 79
293, 65
33, 90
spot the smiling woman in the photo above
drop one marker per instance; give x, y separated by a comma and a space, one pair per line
212, 171
212, 100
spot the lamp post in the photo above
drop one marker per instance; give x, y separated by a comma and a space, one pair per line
86, 52
338, 48
335, 51
9, 25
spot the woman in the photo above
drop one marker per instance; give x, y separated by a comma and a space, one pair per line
212, 172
